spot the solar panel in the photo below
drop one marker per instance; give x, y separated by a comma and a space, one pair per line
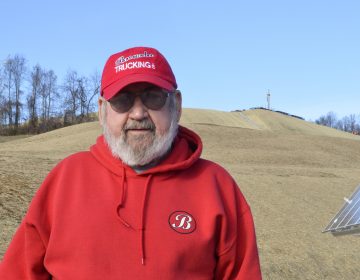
347, 220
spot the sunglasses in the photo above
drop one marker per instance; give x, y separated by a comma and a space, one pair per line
153, 99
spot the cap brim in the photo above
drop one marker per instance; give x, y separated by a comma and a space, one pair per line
115, 87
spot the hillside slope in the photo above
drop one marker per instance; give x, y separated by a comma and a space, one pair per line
66, 139
282, 123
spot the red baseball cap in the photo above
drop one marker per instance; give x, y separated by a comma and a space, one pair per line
139, 64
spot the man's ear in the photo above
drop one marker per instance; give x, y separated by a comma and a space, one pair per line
178, 102
100, 112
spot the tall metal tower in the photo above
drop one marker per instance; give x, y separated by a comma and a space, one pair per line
268, 99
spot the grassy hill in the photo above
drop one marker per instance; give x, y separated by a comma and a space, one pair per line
293, 173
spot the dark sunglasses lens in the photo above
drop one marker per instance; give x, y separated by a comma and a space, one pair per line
122, 102
154, 100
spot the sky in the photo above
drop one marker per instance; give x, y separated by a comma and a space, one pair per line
226, 55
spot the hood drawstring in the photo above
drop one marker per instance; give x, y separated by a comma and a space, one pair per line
142, 233
122, 199
144, 201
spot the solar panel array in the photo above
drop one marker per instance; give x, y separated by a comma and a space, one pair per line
347, 220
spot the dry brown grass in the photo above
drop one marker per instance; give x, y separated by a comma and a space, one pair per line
293, 173
11, 138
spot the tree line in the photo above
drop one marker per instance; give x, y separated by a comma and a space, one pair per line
33, 101
348, 123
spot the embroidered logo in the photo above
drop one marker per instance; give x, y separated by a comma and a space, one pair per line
182, 222
123, 59
123, 63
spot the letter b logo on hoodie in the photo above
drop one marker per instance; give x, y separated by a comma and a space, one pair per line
182, 222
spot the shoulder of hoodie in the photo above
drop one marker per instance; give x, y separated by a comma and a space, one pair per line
225, 182
54, 180
215, 170
74, 162
71, 166
76, 157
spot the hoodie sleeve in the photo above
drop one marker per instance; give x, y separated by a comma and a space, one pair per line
238, 258
25, 256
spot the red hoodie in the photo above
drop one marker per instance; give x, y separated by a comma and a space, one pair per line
95, 218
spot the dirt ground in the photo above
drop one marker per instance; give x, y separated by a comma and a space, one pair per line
294, 181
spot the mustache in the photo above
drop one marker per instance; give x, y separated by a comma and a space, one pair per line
143, 124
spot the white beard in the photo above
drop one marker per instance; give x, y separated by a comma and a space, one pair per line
142, 150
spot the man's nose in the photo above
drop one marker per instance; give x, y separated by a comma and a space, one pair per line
138, 111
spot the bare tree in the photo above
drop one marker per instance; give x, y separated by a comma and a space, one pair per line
340, 124
346, 124
52, 92
8, 84
36, 78
94, 90
48, 94
352, 121
3, 111
88, 89
80, 93
329, 119
2, 98
71, 89
357, 129
321, 120
82, 96
18, 71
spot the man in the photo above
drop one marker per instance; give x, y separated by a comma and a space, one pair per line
141, 204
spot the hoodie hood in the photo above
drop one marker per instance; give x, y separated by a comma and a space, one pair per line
186, 151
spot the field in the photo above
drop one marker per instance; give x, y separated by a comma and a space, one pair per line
293, 173
11, 138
